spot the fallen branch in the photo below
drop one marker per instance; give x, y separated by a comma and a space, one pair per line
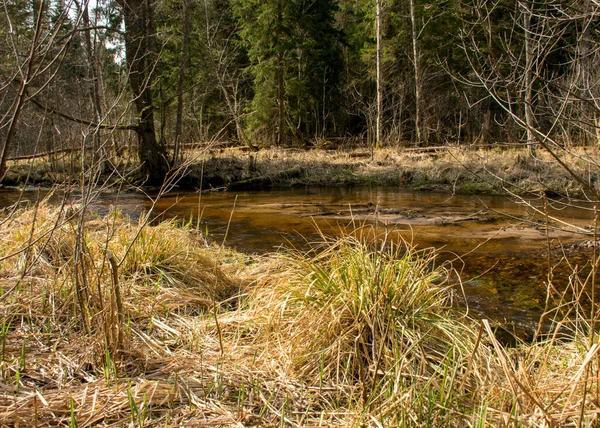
48, 153
264, 181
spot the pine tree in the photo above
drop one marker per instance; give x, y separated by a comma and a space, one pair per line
295, 57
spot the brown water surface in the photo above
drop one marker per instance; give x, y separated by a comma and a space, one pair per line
502, 243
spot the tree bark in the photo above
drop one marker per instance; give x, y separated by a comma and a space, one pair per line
417, 71
280, 77
379, 123
182, 73
140, 54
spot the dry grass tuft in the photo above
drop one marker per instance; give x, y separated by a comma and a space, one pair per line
376, 322
109, 322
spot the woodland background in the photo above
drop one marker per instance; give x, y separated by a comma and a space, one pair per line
295, 73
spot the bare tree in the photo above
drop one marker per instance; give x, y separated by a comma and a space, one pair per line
378, 78
223, 54
32, 71
585, 72
93, 76
141, 55
182, 73
417, 72
280, 74
528, 73
26, 72
541, 95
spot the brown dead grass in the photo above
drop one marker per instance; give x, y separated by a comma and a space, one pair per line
450, 168
208, 341
456, 169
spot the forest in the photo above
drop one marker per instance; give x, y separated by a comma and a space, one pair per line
300, 213
154, 77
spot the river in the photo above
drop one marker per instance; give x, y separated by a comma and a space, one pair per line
498, 244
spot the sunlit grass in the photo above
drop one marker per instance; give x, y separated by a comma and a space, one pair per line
377, 323
355, 332
451, 168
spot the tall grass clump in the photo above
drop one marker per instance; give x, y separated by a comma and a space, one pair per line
93, 275
98, 303
44, 240
377, 323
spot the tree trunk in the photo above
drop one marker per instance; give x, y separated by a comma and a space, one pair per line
528, 78
590, 115
280, 76
27, 74
227, 80
379, 124
417, 71
140, 54
182, 73
94, 87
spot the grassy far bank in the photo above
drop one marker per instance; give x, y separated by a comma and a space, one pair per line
453, 169
106, 321
460, 170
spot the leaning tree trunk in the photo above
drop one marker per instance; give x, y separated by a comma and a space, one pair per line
140, 53
27, 75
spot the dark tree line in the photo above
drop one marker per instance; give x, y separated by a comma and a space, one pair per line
294, 73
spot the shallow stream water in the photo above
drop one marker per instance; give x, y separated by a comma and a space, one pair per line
499, 245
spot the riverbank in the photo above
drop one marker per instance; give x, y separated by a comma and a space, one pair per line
449, 169
109, 321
